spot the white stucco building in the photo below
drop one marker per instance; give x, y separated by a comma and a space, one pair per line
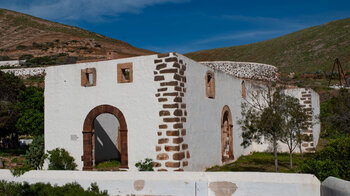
181, 113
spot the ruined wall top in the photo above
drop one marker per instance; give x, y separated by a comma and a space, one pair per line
246, 70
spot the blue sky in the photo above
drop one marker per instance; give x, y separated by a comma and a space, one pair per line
186, 25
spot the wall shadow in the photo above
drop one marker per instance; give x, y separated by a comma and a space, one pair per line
105, 149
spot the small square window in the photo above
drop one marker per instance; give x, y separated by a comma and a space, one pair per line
88, 77
125, 73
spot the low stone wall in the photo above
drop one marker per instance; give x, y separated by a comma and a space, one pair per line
26, 72
180, 183
246, 70
335, 187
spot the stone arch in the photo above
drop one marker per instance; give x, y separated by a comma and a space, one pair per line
88, 135
226, 135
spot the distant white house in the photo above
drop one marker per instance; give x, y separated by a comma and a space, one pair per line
181, 113
12, 63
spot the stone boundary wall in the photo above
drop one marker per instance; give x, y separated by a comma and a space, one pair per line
14, 63
245, 70
172, 151
180, 183
332, 186
26, 72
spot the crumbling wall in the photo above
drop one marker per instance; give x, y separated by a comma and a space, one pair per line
26, 72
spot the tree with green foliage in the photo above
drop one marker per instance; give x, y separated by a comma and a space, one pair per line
31, 107
295, 121
35, 155
266, 115
333, 160
59, 159
10, 88
335, 115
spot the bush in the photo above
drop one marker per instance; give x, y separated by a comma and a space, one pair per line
15, 188
35, 155
59, 159
146, 165
333, 160
108, 164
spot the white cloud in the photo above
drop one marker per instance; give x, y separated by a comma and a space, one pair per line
80, 9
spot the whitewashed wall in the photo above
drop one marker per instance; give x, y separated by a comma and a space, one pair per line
181, 183
13, 63
67, 104
204, 115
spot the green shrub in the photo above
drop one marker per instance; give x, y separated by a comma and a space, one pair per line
108, 164
59, 159
19, 189
146, 165
18, 171
35, 155
333, 160
14, 160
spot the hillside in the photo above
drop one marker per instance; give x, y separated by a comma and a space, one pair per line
309, 50
24, 34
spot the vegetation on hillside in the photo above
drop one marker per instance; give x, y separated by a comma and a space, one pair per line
306, 51
42, 38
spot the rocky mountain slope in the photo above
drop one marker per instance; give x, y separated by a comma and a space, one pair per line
24, 34
310, 50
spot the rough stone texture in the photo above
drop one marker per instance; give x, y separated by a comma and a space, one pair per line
246, 70
172, 82
26, 72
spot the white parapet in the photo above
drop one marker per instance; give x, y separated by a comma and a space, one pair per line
180, 183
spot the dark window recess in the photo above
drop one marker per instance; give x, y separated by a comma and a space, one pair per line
124, 73
210, 85
88, 77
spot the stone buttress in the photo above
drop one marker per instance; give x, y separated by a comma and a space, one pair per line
171, 150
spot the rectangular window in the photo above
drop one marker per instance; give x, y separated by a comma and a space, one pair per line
124, 73
210, 85
88, 77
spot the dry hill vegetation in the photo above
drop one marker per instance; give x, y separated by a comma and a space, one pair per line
24, 34
311, 50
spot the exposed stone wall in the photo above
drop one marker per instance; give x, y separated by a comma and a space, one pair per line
26, 72
172, 151
246, 70
306, 102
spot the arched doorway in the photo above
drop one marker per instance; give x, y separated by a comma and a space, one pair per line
89, 135
226, 135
